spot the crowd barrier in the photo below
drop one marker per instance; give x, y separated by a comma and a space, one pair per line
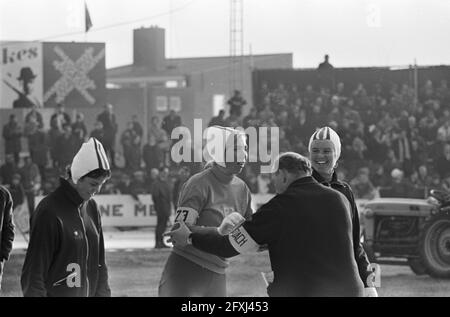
125, 211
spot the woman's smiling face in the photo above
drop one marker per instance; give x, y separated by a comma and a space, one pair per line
323, 156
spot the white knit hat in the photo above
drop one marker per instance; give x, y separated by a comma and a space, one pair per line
91, 156
327, 133
220, 138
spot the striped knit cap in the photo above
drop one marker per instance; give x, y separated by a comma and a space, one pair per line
91, 156
327, 133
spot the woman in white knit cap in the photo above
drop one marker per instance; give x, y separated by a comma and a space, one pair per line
66, 253
324, 150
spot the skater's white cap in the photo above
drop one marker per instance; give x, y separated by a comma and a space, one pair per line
91, 156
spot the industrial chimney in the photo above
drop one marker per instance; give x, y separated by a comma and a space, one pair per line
149, 48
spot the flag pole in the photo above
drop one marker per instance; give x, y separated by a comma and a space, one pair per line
87, 21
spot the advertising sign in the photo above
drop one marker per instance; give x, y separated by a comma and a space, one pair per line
21, 75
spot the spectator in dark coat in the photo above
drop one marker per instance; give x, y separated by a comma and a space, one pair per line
38, 146
79, 130
302, 128
124, 184
31, 126
131, 143
67, 147
17, 191
98, 132
218, 120
252, 119
151, 179
443, 162
236, 102
379, 177
12, 132
325, 65
399, 186
108, 119
170, 122
137, 127
31, 180
34, 113
152, 154
183, 175
52, 136
59, 118
162, 198
137, 185
8, 169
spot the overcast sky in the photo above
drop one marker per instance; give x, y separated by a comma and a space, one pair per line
352, 32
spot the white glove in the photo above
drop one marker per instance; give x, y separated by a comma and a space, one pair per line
179, 235
370, 292
230, 223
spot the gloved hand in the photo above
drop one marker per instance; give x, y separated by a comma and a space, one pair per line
179, 234
370, 292
230, 223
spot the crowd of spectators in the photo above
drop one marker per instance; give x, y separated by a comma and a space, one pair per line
50, 151
393, 143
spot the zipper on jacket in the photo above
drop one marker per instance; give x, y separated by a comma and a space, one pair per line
87, 245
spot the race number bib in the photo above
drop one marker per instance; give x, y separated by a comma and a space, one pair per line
187, 215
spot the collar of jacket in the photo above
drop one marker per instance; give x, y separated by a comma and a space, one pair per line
307, 180
66, 189
221, 176
320, 179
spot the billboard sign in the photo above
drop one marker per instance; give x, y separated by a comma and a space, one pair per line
21, 75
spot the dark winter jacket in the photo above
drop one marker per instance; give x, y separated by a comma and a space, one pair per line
360, 254
308, 232
12, 134
65, 233
6, 223
162, 197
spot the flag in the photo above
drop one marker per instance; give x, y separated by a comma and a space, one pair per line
87, 18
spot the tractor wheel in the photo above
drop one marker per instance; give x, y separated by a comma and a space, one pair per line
417, 266
434, 246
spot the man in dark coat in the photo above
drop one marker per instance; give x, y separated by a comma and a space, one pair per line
161, 195
218, 120
8, 169
170, 122
236, 102
12, 132
38, 146
108, 119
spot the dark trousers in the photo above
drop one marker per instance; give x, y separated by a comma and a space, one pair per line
161, 225
42, 170
183, 278
30, 201
108, 145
